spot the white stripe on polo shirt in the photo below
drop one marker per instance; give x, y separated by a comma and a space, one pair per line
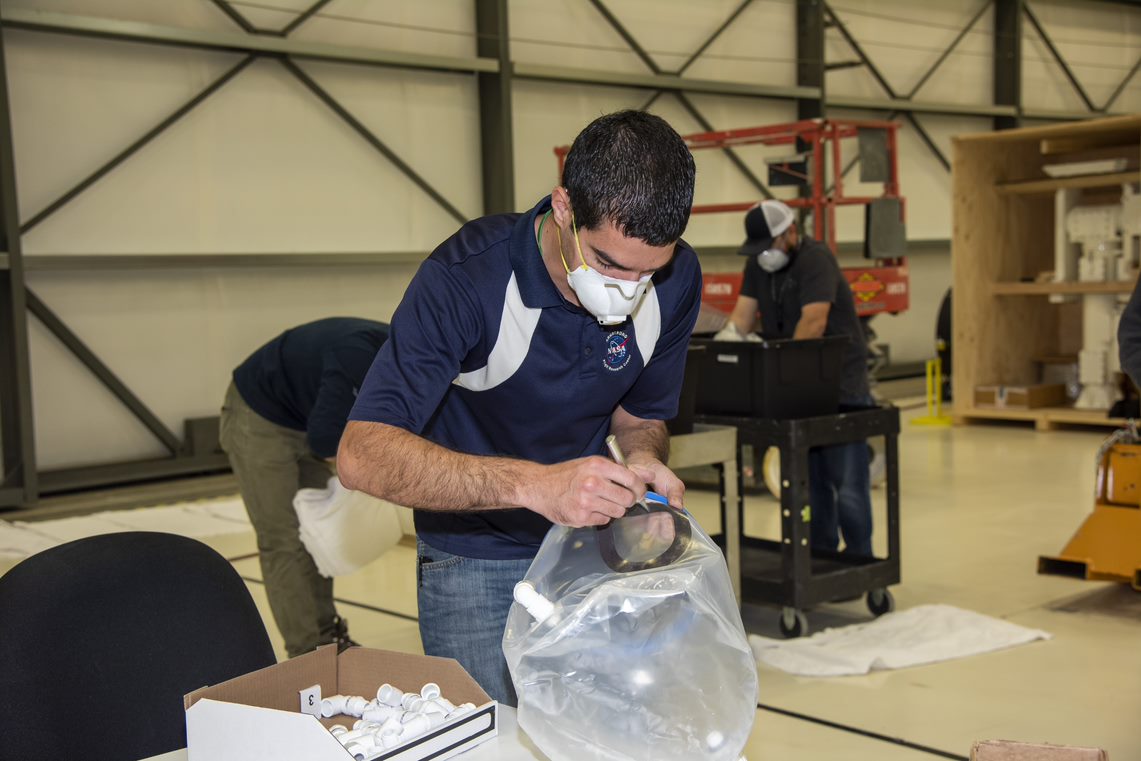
517, 327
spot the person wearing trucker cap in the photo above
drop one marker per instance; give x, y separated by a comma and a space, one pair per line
796, 285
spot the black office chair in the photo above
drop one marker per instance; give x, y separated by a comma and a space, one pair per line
100, 638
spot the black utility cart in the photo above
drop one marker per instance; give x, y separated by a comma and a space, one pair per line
787, 572
785, 394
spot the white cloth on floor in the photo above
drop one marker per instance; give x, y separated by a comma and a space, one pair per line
345, 530
924, 634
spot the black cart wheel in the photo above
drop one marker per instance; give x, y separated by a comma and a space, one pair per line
880, 601
793, 623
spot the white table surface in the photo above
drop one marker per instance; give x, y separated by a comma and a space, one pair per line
509, 745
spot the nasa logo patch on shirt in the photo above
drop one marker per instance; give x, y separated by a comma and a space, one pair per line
617, 351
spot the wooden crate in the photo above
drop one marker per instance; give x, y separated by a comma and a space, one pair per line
1003, 238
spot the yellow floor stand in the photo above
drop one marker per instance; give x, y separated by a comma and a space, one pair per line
934, 416
1107, 547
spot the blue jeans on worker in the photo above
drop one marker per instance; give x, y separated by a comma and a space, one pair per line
840, 491
463, 605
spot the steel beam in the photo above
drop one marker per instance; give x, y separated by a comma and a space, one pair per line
686, 103
134, 262
701, 49
101, 371
669, 82
135, 471
949, 49
1081, 91
17, 446
234, 16
372, 139
130, 31
810, 65
307, 14
136, 146
497, 151
1008, 61
1121, 87
879, 77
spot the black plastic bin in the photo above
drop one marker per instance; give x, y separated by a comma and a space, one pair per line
687, 402
771, 379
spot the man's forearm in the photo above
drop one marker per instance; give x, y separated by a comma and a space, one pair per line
649, 438
401, 467
810, 327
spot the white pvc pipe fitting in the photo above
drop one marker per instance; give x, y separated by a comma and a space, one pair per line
353, 736
338, 729
389, 695
380, 713
410, 699
538, 606
355, 706
446, 704
415, 725
333, 705
430, 691
433, 707
461, 709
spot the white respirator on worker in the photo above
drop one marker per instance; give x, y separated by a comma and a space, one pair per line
609, 299
772, 260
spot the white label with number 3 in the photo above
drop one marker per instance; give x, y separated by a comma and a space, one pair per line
311, 700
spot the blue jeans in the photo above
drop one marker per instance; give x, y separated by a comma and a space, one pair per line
463, 605
840, 490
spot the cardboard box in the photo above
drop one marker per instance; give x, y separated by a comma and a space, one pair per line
1006, 750
257, 716
1021, 397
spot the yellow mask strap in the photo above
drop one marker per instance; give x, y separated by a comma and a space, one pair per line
578, 246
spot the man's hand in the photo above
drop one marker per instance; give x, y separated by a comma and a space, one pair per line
659, 477
590, 491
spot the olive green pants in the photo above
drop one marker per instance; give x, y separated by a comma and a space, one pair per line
271, 463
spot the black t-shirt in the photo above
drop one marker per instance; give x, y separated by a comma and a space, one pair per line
307, 378
812, 276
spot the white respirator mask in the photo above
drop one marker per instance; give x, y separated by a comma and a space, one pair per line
772, 260
609, 299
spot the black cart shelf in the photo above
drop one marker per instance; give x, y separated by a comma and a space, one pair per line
788, 572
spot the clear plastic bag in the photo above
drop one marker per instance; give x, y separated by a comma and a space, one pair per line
630, 645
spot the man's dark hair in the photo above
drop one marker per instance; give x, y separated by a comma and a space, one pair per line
632, 169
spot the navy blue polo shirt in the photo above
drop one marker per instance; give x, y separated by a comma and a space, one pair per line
486, 357
307, 378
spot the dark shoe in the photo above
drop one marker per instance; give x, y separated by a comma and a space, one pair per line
341, 635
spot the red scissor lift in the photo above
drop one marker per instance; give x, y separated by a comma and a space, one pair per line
880, 287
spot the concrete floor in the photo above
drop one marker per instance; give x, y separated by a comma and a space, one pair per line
979, 505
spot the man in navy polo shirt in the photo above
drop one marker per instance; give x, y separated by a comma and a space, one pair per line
283, 415
522, 342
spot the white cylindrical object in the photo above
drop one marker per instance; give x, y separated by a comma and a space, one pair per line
390, 740
367, 724
338, 729
430, 691
333, 705
360, 751
355, 706
446, 704
432, 707
389, 695
416, 725
354, 735
462, 709
538, 606
393, 724
380, 713
436, 719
